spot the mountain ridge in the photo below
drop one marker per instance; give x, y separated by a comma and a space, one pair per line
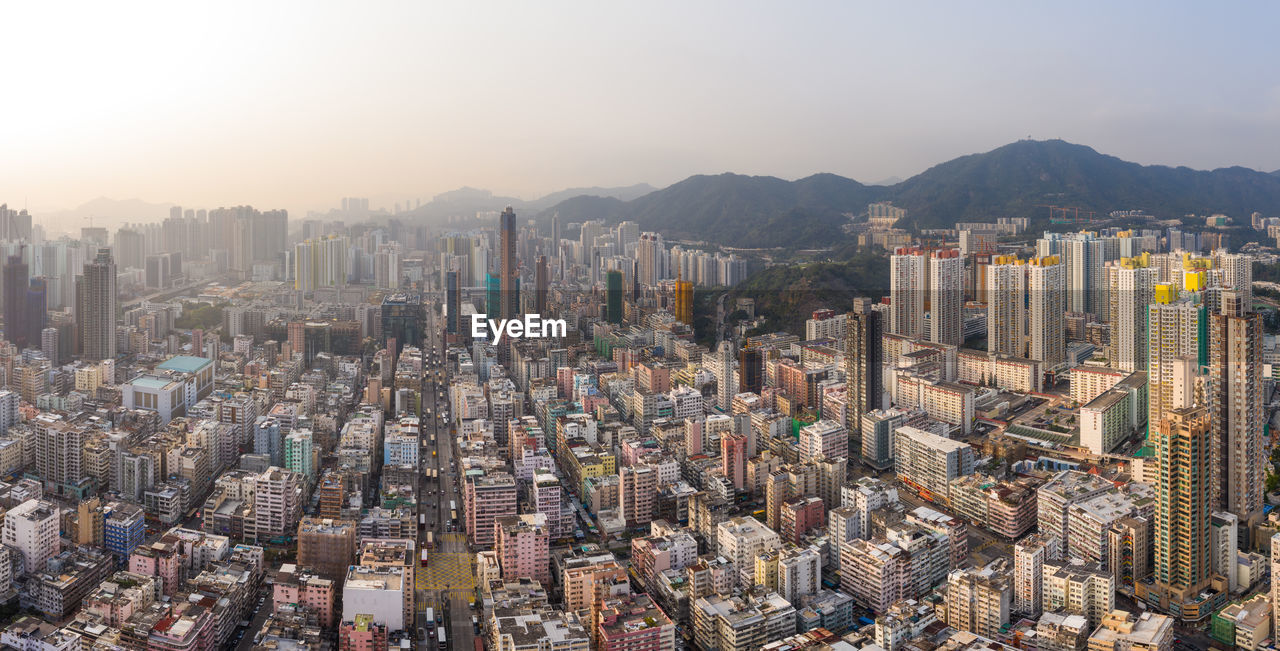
1018, 179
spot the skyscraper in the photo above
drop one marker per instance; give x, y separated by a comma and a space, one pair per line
613, 296
946, 298
96, 307
1006, 306
651, 256
1131, 283
750, 370
541, 284
1236, 412
1173, 341
724, 375
1183, 510
863, 357
507, 269
453, 300
1046, 326
684, 301
907, 292
15, 297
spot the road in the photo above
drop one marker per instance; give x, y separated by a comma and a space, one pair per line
448, 583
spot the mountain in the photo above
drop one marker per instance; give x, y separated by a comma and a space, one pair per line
736, 210
626, 193
104, 212
465, 202
1018, 180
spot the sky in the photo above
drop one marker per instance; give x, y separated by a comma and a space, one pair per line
297, 104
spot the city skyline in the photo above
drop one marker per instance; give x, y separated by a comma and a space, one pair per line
412, 101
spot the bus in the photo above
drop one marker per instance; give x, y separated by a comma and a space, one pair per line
431, 619
431, 541
424, 558
440, 637
453, 506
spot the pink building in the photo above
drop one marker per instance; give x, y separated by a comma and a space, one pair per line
652, 555
733, 458
485, 499
693, 438
633, 449
564, 381
523, 547
634, 623
161, 559
362, 634
309, 591
800, 515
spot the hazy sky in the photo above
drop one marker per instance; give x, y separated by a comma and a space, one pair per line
295, 105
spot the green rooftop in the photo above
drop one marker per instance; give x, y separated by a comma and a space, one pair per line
184, 363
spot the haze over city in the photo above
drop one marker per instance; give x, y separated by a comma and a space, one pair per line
823, 326
293, 105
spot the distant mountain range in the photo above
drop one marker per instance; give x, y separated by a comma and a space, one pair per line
466, 202
103, 212
1015, 180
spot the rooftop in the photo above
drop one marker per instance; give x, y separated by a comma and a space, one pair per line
184, 364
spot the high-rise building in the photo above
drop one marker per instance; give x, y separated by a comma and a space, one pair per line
651, 259
298, 454
750, 370
1131, 284
978, 600
541, 284
1183, 509
1029, 556
613, 296
863, 363
733, 458
1046, 323
946, 297
386, 266
321, 263
15, 296
725, 387
508, 267
927, 463
453, 302
1173, 343
1275, 585
96, 307
1237, 416
522, 543
1006, 306
485, 499
32, 528
327, 546
637, 486
403, 319
1237, 276
684, 301
49, 344
277, 503
907, 292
